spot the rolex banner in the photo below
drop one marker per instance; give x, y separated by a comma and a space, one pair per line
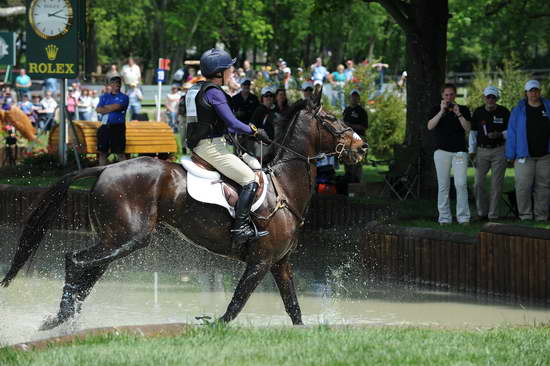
52, 39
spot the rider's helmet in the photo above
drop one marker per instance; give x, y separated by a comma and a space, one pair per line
215, 61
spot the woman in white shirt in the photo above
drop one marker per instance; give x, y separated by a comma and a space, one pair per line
85, 105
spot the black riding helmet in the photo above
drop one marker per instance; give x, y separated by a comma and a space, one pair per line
215, 61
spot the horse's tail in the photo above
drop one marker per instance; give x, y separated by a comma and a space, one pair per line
37, 223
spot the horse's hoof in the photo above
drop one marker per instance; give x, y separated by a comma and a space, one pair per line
52, 322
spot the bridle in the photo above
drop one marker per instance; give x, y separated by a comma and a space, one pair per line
336, 134
281, 201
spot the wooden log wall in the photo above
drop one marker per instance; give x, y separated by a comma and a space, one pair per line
325, 211
503, 260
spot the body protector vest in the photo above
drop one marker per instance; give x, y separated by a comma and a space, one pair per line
202, 120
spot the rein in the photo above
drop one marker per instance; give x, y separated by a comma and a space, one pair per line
282, 202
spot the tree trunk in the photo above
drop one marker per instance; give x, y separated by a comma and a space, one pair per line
426, 69
91, 49
425, 25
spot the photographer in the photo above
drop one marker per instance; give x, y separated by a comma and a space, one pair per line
450, 123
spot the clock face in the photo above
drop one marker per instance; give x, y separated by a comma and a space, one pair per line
51, 19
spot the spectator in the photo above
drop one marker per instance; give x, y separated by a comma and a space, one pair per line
95, 102
36, 110
249, 72
449, 123
232, 85
23, 84
191, 77
76, 90
487, 139
287, 82
180, 76
50, 84
337, 80
318, 71
49, 107
131, 73
349, 70
300, 77
264, 114
355, 117
111, 136
113, 71
380, 82
135, 96
528, 145
71, 105
85, 105
171, 105
402, 83
245, 103
281, 103
182, 115
307, 90
25, 105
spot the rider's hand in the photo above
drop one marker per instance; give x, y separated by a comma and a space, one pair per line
262, 136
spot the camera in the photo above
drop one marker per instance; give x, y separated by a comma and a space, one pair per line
450, 105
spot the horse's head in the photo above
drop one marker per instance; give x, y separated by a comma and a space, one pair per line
334, 135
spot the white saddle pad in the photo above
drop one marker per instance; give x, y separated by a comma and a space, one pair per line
206, 186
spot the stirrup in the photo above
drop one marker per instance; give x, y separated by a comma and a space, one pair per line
236, 247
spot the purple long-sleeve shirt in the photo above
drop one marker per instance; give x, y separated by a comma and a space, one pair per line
217, 99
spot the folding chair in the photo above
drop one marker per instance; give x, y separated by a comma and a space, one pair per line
403, 178
509, 199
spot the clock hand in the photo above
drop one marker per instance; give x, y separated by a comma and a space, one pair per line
59, 16
54, 13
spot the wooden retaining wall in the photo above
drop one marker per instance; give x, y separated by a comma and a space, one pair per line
503, 260
326, 211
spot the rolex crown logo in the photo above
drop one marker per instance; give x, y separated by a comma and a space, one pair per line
51, 51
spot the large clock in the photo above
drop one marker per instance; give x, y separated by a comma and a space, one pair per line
51, 19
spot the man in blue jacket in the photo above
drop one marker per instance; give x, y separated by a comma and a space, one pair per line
528, 145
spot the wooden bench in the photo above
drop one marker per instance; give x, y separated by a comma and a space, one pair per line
141, 137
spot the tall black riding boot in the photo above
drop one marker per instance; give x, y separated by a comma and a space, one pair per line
242, 230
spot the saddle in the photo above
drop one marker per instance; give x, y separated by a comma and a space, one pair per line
206, 184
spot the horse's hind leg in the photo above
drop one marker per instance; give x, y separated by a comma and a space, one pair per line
282, 273
252, 276
82, 270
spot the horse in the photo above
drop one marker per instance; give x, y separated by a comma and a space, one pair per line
132, 199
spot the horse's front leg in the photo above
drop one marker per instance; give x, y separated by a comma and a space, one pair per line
252, 276
282, 273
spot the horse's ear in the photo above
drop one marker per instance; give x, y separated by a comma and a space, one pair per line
317, 96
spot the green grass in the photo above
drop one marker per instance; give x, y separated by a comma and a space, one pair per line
37, 181
310, 346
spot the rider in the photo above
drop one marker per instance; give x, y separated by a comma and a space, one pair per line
209, 118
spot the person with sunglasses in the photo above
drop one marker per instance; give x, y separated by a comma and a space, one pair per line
487, 144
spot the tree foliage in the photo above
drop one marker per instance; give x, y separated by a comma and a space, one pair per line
300, 30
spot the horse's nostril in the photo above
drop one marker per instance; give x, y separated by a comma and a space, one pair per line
365, 146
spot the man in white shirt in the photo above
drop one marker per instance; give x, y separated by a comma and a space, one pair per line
171, 105
131, 73
49, 105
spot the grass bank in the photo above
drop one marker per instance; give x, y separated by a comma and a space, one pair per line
307, 346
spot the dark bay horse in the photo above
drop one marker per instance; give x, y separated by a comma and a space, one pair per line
131, 199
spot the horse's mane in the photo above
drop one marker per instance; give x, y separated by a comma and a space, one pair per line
285, 120
283, 124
